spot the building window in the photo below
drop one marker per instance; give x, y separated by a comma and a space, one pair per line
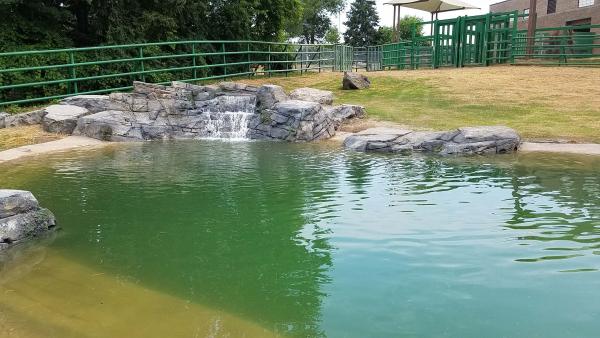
585, 3
551, 6
526, 12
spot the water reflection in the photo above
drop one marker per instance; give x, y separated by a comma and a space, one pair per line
309, 241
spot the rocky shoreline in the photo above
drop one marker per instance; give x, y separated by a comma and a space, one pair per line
236, 110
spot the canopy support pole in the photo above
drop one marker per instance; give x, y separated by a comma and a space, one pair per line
394, 26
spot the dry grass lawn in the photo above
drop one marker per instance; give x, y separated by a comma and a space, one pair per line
540, 102
22, 136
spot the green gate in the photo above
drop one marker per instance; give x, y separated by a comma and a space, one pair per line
474, 40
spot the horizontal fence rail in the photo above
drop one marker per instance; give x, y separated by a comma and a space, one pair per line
32, 76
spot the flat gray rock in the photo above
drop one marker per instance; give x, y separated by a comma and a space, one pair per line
62, 118
93, 103
313, 95
464, 141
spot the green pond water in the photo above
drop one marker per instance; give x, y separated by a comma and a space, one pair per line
308, 241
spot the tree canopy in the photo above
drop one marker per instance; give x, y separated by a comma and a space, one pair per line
362, 24
66, 23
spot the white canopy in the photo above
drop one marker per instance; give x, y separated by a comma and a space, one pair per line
433, 6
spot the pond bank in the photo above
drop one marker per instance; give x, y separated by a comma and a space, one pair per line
68, 143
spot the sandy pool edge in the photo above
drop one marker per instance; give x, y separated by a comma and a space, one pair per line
67, 143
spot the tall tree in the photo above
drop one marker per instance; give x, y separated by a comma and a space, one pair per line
332, 36
362, 24
315, 20
408, 24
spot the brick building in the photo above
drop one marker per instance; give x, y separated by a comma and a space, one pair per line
555, 13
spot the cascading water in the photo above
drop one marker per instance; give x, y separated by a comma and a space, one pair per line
228, 125
228, 117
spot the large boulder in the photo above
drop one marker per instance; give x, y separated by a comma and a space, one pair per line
353, 81
463, 141
269, 95
293, 121
62, 118
24, 119
346, 112
312, 95
113, 125
3, 117
21, 217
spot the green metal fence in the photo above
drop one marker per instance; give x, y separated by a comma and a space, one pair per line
559, 46
31, 76
464, 41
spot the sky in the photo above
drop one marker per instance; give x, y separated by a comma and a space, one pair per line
386, 13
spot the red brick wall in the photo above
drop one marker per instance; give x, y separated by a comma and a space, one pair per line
566, 10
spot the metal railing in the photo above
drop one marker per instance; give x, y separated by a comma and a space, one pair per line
559, 46
32, 76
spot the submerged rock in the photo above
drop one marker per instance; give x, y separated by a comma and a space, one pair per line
354, 81
21, 217
62, 118
312, 95
463, 141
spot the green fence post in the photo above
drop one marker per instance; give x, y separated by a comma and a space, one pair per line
436, 43
194, 60
224, 59
319, 52
73, 73
287, 60
513, 39
301, 59
249, 61
563, 50
269, 65
488, 18
141, 56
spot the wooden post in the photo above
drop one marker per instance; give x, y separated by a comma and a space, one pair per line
532, 25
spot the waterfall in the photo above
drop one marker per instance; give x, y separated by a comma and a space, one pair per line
228, 117
228, 125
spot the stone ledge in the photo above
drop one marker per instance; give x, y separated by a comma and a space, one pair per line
463, 141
